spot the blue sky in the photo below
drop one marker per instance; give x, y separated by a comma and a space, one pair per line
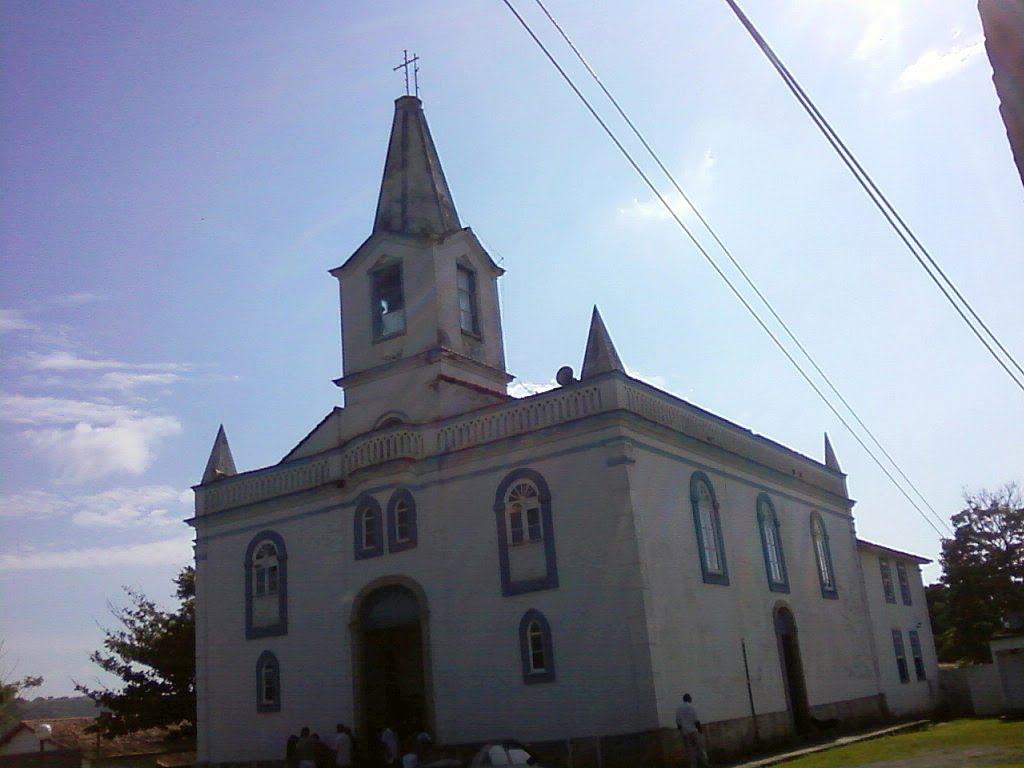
179, 177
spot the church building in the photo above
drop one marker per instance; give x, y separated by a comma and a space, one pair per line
559, 569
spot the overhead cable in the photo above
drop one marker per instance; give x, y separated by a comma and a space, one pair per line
711, 261
707, 226
920, 253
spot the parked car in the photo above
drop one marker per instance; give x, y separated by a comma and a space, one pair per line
507, 754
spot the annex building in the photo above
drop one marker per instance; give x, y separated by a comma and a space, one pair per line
559, 568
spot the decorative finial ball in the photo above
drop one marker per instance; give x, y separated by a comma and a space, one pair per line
564, 376
44, 731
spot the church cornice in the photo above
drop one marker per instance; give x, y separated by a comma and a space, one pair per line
427, 357
598, 398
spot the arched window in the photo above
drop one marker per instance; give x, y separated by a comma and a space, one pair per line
368, 532
823, 557
268, 683
771, 545
535, 648
266, 586
526, 534
709, 530
401, 521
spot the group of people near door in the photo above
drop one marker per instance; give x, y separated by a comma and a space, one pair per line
340, 750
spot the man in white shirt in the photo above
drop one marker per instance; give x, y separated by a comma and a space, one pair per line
688, 724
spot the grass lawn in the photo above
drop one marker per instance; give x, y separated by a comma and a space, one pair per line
955, 744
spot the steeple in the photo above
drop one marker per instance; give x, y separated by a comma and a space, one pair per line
414, 196
830, 456
421, 326
221, 463
600, 356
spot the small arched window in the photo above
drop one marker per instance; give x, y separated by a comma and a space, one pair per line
823, 557
526, 533
266, 586
402, 533
368, 532
771, 545
709, 530
535, 648
268, 683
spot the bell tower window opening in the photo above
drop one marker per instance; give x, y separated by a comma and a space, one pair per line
468, 321
388, 302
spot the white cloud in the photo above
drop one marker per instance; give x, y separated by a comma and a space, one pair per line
77, 299
67, 361
86, 440
173, 551
125, 507
696, 183
526, 388
85, 452
125, 382
14, 320
934, 66
883, 26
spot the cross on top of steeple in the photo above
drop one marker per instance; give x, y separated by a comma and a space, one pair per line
406, 61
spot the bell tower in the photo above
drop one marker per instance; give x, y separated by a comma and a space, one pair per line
420, 322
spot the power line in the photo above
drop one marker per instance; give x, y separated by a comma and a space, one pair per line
890, 213
711, 261
707, 226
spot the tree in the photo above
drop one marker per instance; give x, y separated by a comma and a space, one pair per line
9, 692
153, 652
982, 585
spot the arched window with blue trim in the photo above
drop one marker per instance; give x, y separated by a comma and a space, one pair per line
708, 527
401, 521
266, 586
823, 557
526, 533
771, 544
367, 529
536, 648
268, 683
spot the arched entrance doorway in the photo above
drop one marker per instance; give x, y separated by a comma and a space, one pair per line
792, 667
391, 671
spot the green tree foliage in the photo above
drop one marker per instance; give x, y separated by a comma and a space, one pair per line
9, 691
153, 652
982, 585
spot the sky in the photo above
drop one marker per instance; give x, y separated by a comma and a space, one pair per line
177, 178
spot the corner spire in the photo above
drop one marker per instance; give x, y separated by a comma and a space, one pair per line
414, 196
221, 463
830, 456
600, 356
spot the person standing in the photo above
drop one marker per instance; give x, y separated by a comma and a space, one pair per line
692, 734
305, 749
390, 741
342, 747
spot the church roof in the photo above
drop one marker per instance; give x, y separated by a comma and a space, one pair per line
414, 196
221, 463
600, 356
830, 456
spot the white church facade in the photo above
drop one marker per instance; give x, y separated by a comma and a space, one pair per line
558, 569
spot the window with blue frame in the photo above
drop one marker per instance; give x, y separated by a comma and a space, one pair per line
536, 648
526, 533
367, 529
708, 527
823, 557
268, 683
771, 545
901, 575
901, 656
886, 573
402, 532
915, 651
266, 586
